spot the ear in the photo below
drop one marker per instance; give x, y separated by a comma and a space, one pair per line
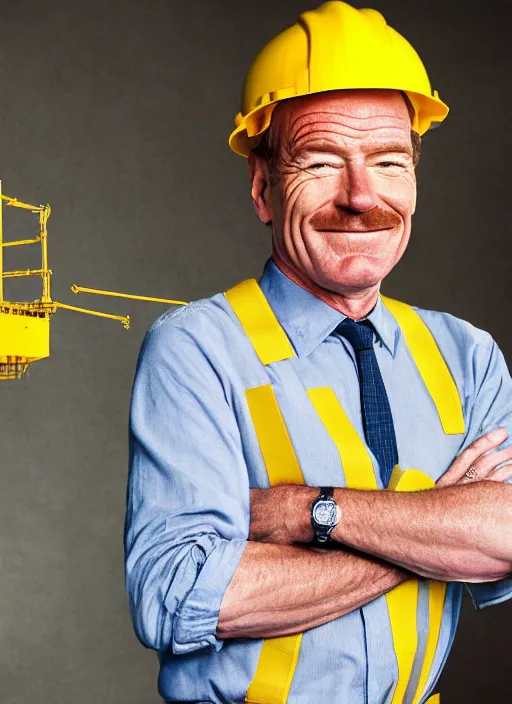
260, 188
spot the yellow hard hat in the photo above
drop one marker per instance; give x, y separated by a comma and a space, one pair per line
334, 47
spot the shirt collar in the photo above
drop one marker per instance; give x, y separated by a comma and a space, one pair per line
308, 321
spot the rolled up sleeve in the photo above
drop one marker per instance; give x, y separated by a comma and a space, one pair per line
197, 618
491, 408
187, 516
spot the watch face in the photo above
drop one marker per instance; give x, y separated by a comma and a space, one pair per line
324, 513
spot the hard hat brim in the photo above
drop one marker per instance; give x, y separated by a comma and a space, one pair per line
250, 127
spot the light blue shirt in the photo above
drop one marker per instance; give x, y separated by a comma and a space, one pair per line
194, 456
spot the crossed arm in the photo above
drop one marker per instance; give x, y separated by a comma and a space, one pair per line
455, 532
187, 518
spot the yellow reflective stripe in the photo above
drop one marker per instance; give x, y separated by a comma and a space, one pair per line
396, 476
402, 607
276, 667
437, 592
434, 699
278, 657
259, 322
416, 480
403, 600
357, 463
431, 365
275, 444
410, 480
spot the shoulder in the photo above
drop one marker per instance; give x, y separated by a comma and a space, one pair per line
470, 352
202, 323
448, 327
201, 338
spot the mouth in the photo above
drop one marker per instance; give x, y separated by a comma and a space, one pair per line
355, 232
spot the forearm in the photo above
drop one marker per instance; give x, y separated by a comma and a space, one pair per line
458, 533
280, 590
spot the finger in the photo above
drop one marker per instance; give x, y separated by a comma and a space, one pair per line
471, 454
487, 464
500, 475
482, 445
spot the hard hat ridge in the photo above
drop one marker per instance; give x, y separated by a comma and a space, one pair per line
333, 47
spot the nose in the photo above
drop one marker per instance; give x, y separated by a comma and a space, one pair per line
356, 192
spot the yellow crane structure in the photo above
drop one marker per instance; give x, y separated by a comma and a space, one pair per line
25, 326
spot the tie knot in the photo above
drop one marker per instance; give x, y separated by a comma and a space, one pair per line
360, 335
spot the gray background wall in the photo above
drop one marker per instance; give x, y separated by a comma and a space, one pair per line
117, 114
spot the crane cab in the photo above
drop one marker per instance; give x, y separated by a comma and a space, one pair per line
25, 326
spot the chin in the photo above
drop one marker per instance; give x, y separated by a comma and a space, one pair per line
357, 274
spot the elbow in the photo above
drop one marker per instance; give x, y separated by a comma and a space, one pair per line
151, 620
503, 551
157, 583
490, 558
175, 587
490, 562
148, 635
497, 550
472, 566
486, 569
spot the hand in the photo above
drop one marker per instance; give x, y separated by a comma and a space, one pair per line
482, 466
281, 515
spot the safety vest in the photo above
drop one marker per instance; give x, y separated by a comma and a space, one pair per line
278, 657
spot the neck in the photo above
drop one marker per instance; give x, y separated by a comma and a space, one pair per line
355, 304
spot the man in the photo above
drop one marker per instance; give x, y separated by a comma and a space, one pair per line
265, 563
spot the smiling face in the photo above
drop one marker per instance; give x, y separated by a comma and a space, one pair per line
340, 189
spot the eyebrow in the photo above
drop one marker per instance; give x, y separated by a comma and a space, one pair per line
402, 147
323, 145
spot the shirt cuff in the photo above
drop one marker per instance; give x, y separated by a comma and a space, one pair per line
490, 593
196, 620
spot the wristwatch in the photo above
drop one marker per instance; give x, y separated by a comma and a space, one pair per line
325, 514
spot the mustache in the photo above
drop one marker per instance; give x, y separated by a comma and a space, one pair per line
344, 221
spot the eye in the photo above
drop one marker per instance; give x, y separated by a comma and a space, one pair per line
321, 166
391, 165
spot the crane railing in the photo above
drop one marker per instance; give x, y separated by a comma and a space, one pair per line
44, 272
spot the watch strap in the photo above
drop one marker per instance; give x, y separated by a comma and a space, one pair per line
326, 492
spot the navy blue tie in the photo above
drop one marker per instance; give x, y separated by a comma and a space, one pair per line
378, 425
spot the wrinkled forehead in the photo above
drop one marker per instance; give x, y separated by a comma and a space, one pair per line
352, 112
